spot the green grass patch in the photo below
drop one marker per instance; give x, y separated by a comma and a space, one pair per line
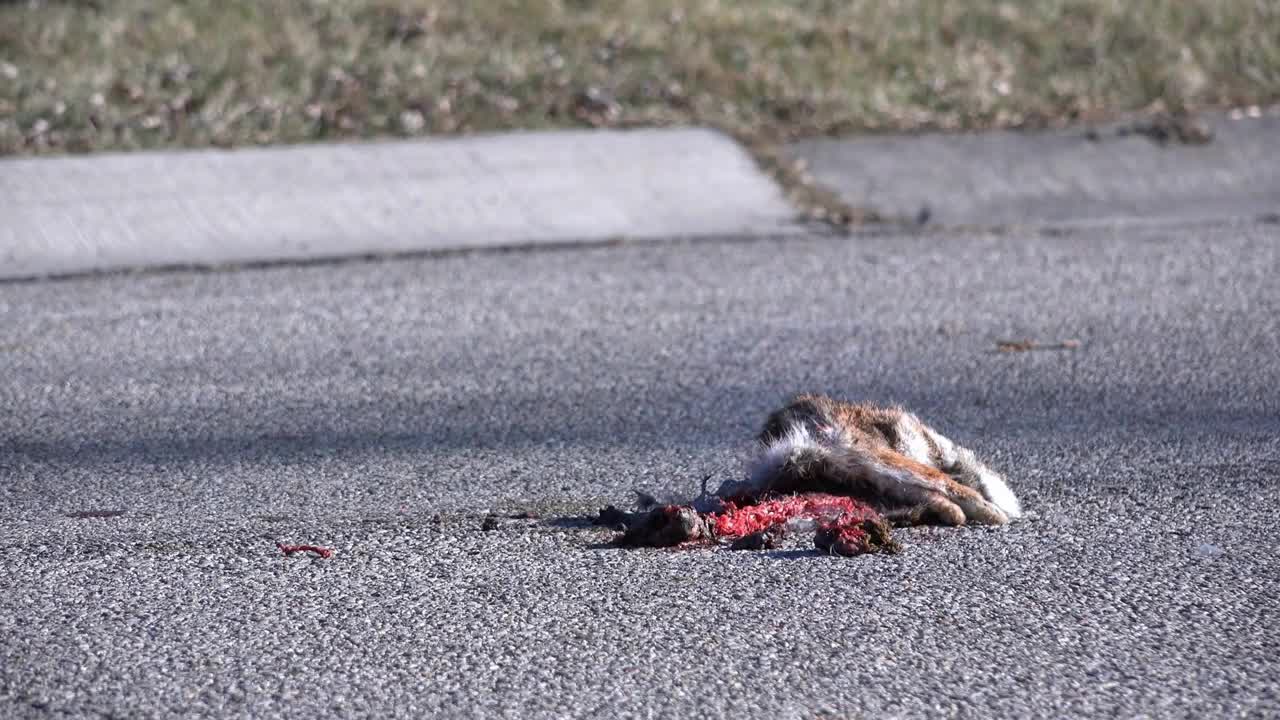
125, 74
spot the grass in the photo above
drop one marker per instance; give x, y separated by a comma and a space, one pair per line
79, 76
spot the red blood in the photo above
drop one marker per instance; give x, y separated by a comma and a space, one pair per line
291, 549
739, 520
845, 526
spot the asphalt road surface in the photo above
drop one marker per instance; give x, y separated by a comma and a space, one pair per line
161, 432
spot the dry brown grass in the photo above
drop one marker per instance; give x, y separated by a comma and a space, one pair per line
123, 74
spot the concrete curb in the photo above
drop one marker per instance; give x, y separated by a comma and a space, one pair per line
1112, 174
72, 215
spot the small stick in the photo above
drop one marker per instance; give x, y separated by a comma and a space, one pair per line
1028, 345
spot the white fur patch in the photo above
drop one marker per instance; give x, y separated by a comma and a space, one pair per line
998, 493
769, 463
881, 475
946, 449
914, 445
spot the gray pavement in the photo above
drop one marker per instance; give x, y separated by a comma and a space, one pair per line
1080, 176
384, 407
79, 214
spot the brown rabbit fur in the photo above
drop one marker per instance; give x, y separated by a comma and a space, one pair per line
885, 456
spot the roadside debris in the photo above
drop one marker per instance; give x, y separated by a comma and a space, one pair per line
1161, 127
291, 549
1029, 345
1164, 128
